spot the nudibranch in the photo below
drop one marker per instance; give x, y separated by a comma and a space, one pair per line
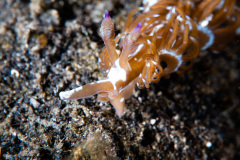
166, 37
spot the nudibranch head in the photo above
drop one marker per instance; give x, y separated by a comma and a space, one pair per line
119, 83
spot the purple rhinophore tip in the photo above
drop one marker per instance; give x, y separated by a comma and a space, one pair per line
107, 14
139, 26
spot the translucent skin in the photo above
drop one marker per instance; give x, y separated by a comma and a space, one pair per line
165, 38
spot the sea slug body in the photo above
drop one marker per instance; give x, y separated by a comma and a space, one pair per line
165, 37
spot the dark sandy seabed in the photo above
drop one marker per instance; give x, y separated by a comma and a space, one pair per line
53, 45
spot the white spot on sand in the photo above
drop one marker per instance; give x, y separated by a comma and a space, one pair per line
15, 73
209, 144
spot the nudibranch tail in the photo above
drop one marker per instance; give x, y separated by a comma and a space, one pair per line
166, 37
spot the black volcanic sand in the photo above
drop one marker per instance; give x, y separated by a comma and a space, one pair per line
52, 46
